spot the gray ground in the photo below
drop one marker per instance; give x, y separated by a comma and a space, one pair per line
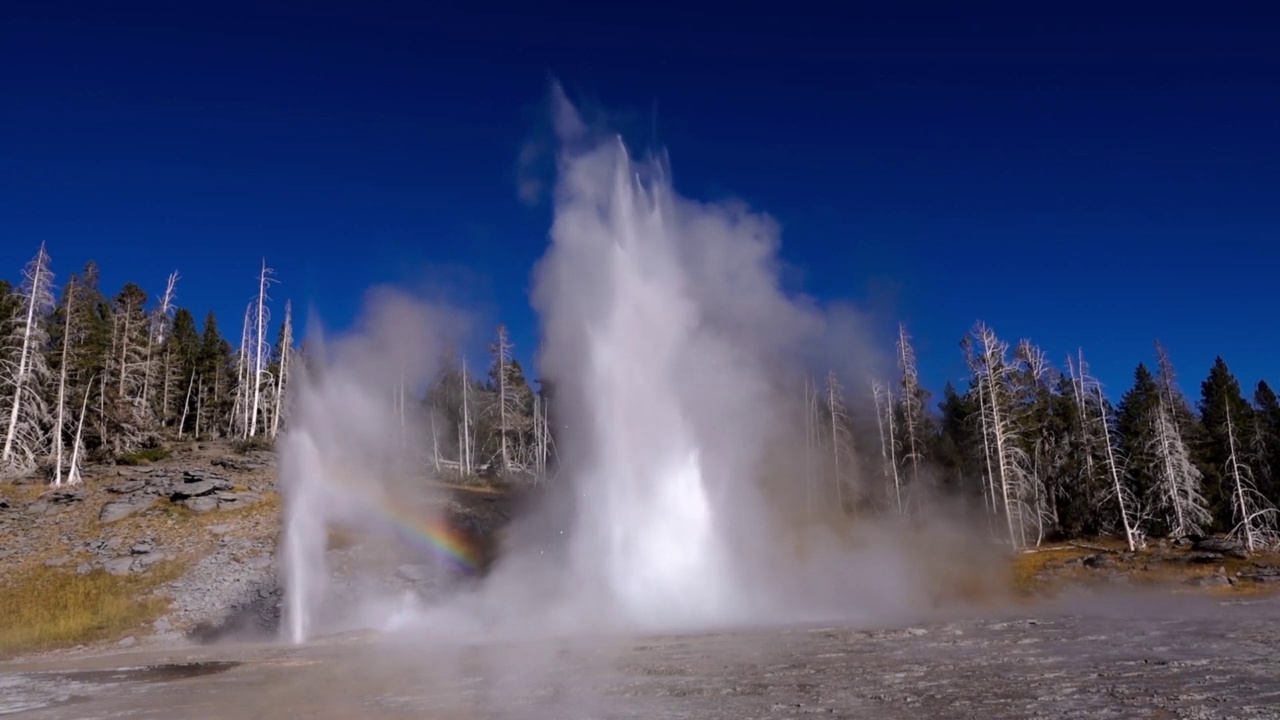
1123, 657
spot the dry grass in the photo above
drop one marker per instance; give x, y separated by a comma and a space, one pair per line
51, 607
1046, 570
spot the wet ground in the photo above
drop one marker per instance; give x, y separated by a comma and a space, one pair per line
1124, 657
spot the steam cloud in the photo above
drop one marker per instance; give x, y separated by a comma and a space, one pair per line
679, 365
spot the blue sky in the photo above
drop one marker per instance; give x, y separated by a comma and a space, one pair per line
1095, 180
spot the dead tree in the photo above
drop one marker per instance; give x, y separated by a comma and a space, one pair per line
1256, 519
841, 444
60, 424
23, 370
1000, 428
157, 334
884, 411
1179, 494
261, 350
1125, 501
282, 373
912, 408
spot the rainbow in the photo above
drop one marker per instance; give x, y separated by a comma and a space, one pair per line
434, 534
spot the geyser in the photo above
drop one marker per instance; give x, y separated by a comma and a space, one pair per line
662, 328
344, 459
678, 368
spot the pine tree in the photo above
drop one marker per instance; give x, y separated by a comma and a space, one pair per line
215, 386
1267, 421
1160, 467
1137, 426
1220, 395
129, 418
509, 406
183, 349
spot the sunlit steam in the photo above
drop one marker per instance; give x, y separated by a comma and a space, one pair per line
680, 369
342, 460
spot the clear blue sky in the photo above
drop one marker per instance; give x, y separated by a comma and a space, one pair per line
1094, 180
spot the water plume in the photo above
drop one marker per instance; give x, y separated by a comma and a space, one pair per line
674, 351
345, 460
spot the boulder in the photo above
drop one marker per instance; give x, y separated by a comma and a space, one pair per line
120, 509
198, 488
118, 566
202, 504
127, 487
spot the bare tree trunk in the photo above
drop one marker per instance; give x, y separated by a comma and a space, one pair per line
466, 421
200, 406
811, 439
186, 405
38, 288
241, 404
835, 408
435, 444
1233, 465
1130, 531
286, 349
62, 386
260, 331
911, 410
73, 473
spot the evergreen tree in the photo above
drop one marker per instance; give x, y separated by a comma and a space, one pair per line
1220, 395
1267, 422
1136, 426
183, 347
215, 383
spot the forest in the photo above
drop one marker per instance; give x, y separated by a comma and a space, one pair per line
1036, 450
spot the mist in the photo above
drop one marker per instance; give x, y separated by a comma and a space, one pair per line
688, 495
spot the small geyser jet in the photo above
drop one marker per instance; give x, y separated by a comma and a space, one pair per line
343, 459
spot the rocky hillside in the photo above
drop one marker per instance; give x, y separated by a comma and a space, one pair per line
202, 523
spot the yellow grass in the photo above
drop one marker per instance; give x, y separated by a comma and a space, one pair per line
1042, 570
47, 607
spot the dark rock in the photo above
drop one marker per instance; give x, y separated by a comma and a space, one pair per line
1216, 544
1214, 580
119, 509
197, 489
65, 497
127, 487
1205, 558
1097, 561
1260, 578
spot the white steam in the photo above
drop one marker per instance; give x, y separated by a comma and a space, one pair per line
679, 366
342, 460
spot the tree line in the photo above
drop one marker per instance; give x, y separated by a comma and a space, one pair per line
1037, 449
85, 377
1044, 454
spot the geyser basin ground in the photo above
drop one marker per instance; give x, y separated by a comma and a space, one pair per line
1147, 657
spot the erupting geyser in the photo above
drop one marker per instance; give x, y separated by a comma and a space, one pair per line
677, 364
663, 327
